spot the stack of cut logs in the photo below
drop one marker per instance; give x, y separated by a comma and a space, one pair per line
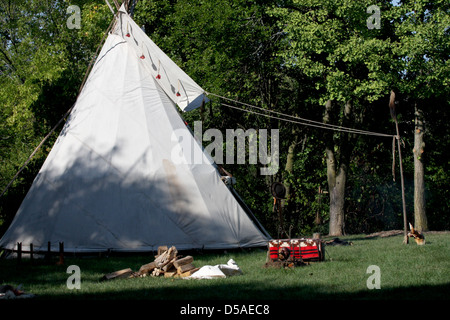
167, 263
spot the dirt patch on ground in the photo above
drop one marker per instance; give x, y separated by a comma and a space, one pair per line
390, 233
384, 234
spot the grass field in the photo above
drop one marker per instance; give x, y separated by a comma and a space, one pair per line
406, 272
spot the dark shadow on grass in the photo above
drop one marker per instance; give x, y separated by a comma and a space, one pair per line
234, 292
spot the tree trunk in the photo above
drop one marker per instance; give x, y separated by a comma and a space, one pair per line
338, 158
336, 187
420, 218
289, 168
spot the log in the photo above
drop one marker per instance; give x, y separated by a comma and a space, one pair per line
161, 258
170, 274
147, 268
183, 261
166, 257
169, 265
162, 249
124, 273
188, 273
185, 267
156, 272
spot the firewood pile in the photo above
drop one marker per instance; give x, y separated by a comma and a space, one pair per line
167, 263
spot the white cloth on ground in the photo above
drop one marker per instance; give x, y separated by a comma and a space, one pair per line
217, 271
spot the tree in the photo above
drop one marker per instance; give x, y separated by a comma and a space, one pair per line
330, 43
422, 50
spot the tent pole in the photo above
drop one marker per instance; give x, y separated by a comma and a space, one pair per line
394, 117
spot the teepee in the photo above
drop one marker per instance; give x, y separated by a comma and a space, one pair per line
126, 173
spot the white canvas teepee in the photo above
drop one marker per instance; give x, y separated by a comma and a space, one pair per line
114, 179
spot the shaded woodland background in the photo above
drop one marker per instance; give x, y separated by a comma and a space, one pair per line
312, 59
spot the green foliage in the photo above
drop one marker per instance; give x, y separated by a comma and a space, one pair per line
290, 56
329, 41
423, 48
308, 178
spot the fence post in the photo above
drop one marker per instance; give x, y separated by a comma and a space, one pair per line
49, 253
31, 253
61, 253
19, 253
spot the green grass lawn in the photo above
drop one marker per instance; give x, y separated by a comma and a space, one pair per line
406, 272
